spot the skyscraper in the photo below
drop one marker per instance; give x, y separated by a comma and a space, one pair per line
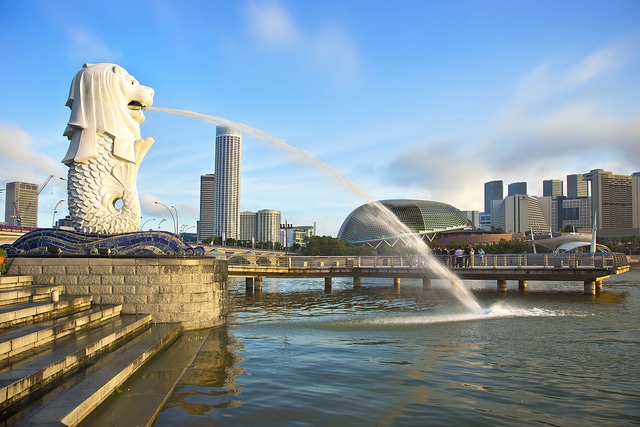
521, 213
248, 228
227, 183
635, 198
517, 188
552, 188
493, 190
611, 199
268, 225
207, 200
21, 204
577, 186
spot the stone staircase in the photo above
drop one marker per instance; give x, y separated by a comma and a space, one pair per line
62, 357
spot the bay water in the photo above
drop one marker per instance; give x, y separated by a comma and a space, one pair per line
294, 355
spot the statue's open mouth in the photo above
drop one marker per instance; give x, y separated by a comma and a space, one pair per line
135, 105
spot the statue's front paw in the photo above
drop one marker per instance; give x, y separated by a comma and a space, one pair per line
141, 148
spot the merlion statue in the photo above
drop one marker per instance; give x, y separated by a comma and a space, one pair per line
105, 148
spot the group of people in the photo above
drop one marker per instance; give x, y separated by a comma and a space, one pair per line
461, 257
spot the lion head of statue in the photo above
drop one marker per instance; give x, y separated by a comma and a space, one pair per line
105, 99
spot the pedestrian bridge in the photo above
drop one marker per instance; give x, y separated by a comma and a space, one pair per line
591, 269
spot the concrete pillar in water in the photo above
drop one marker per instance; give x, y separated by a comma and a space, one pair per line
589, 287
598, 285
522, 285
426, 283
257, 284
248, 283
327, 284
357, 282
396, 282
502, 285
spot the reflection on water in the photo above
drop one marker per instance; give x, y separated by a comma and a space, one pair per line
294, 354
209, 382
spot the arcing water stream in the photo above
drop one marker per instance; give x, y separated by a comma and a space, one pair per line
385, 216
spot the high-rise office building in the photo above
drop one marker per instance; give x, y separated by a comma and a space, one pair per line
575, 213
474, 217
577, 186
520, 214
268, 225
207, 200
21, 204
517, 188
248, 227
227, 183
635, 199
552, 188
611, 199
493, 190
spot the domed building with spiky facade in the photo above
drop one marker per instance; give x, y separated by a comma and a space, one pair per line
393, 221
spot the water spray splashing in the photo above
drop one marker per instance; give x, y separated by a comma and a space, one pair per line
462, 294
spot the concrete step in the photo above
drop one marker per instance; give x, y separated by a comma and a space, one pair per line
60, 357
71, 406
18, 339
12, 281
39, 311
22, 294
144, 394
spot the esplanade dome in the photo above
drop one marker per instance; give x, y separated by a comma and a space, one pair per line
367, 223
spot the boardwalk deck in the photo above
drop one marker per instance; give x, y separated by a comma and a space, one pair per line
591, 269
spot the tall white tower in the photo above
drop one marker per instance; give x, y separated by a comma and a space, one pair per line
226, 206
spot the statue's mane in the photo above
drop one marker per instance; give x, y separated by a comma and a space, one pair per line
98, 106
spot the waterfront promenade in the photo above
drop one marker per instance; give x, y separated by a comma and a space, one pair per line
590, 269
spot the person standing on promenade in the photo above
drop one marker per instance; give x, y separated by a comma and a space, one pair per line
459, 257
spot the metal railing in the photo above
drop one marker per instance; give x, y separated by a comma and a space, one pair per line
487, 261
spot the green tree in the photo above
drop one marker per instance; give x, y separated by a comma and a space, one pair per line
332, 246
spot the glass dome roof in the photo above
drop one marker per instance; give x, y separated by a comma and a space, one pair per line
370, 222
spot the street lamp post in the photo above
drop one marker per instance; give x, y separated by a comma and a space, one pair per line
177, 221
145, 223
55, 211
175, 227
160, 223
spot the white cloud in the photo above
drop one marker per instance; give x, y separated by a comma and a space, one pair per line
593, 66
20, 162
271, 24
330, 48
556, 124
87, 47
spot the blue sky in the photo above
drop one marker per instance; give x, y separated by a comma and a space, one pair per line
405, 99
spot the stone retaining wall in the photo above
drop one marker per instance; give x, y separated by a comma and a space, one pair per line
192, 291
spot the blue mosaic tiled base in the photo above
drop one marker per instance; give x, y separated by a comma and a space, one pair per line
54, 242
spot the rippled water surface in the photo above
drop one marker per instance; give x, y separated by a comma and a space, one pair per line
295, 355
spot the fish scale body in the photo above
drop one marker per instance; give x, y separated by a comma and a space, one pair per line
96, 185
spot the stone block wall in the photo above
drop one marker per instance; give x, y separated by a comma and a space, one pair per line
192, 291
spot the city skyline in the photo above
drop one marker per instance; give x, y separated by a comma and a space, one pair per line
424, 101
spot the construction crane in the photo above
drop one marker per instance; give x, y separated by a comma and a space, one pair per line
19, 214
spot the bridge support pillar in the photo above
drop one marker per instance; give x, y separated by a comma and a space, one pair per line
257, 284
248, 283
502, 285
522, 285
327, 284
426, 283
598, 286
357, 282
396, 283
589, 287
